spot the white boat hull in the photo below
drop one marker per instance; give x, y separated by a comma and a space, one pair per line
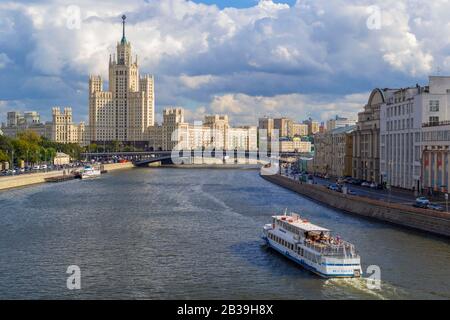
90, 174
326, 267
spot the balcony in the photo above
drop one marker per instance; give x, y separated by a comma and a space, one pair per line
436, 123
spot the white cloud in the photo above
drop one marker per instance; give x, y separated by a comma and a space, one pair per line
4, 60
231, 59
243, 108
196, 82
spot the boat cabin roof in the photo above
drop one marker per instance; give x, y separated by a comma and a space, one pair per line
303, 224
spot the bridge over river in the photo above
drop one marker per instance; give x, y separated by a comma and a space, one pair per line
205, 157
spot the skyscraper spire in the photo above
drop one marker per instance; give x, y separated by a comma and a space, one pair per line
124, 40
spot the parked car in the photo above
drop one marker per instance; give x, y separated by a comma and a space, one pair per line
351, 192
365, 184
44, 166
435, 206
36, 167
423, 200
373, 185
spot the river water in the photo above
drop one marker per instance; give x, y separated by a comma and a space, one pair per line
193, 234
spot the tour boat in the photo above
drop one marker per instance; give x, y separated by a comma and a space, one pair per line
312, 247
90, 172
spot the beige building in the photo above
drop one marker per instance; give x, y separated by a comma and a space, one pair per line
126, 110
61, 159
268, 125
299, 129
366, 138
284, 126
333, 152
63, 130
295, 145
313, 126
213, 133
339, 122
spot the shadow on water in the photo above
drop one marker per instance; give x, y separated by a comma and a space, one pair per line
258, 254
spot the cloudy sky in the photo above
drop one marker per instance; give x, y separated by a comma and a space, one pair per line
246, 58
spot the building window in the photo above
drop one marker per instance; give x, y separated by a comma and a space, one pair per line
434, 105
434, 120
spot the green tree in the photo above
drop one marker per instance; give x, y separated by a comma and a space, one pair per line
115, 145
30, 137
93, 147
3, 156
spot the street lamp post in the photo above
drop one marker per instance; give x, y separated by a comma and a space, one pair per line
446, 202
12, 161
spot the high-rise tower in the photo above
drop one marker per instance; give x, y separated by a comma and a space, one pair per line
127, 109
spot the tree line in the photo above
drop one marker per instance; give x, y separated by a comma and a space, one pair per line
31, 148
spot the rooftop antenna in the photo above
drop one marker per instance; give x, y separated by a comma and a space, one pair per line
438, 70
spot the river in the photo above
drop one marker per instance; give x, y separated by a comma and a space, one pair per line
193, 234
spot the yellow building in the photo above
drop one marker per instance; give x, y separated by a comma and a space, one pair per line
295, 145
299, 129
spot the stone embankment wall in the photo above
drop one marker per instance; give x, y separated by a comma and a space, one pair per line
118, 166
26, 179
399, 214
23, 180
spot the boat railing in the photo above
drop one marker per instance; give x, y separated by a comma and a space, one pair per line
343, 249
